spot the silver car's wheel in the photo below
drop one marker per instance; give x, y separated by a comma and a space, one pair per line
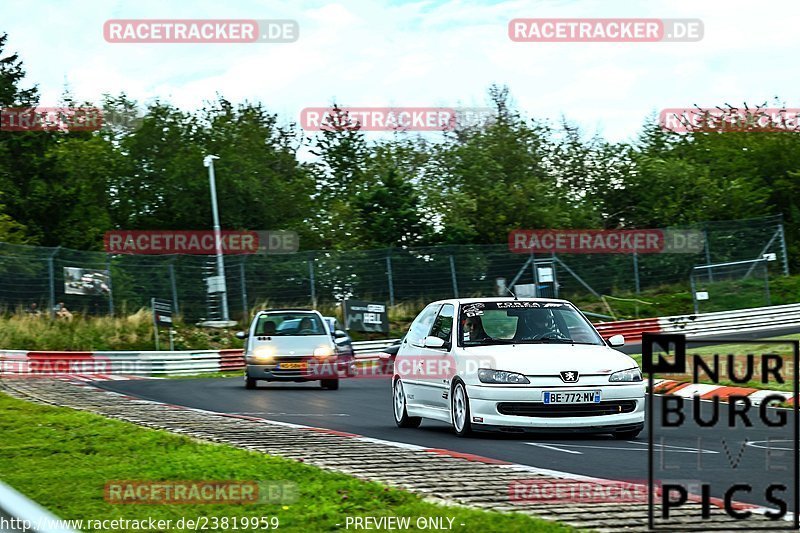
459, 408
401, 417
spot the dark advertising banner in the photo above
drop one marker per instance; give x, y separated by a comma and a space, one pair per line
366, 316
85, 281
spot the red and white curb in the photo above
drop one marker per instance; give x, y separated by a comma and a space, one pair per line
669, 387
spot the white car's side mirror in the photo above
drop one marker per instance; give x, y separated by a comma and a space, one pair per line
433, 342
616, 340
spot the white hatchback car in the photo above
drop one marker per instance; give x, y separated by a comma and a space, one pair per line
515, 365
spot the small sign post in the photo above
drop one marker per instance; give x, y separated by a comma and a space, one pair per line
162, 316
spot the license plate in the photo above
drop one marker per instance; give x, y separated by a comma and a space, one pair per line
564, 397
292, 366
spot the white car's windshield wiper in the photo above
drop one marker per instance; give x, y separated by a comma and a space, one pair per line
487, 342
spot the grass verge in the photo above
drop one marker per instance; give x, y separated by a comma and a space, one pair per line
63, 458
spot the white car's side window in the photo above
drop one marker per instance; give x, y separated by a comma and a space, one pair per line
422, 325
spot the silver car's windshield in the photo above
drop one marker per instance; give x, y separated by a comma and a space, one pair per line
524, 322
289, 325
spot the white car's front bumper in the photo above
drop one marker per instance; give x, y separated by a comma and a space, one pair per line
622, 407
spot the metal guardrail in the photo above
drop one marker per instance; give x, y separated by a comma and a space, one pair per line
161, 363
19, 514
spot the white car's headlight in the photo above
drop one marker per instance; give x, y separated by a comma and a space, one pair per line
632, 374
264, 354
323, 351
487, 375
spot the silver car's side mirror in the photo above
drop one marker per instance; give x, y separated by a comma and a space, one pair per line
339, 334
241, 335
616, 341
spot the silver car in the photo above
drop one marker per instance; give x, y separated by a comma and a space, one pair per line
294, 345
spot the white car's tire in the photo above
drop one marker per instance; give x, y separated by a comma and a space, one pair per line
459, 410
399, 405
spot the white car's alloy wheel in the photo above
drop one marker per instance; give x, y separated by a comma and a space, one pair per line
401, 417
460, 410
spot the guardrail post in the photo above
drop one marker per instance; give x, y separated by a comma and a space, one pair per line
389, 276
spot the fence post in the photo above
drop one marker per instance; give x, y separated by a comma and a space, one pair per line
453, 276
311, 278
535, 275
52, 274
171, 268
783, 250
389, 276
708, 253
766, 283
694, 294
555, 275
243, 276
110, 287
636, 271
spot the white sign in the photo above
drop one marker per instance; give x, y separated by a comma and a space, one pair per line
701, 295
216, 284
770, 257
527, 290
545, 274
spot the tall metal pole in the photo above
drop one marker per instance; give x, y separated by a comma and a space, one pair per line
312, 281
209, 162
636, 271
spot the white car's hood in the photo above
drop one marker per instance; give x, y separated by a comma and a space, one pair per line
550, 359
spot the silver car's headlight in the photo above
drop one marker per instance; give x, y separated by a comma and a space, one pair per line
487, 375
632, 374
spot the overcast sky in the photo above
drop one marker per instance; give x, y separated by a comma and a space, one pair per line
430, 53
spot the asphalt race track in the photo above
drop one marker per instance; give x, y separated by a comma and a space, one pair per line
363, 407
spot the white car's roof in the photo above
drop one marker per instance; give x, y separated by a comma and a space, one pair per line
500, 299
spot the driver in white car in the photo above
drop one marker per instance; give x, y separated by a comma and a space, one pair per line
537, 325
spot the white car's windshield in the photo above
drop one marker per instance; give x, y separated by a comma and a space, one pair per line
289, 324
523, 322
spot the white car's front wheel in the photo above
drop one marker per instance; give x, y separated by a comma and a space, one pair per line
459, 410
401, 417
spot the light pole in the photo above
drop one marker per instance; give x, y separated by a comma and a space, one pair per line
208, 161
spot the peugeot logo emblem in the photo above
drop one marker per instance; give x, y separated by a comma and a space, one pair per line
569, 376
